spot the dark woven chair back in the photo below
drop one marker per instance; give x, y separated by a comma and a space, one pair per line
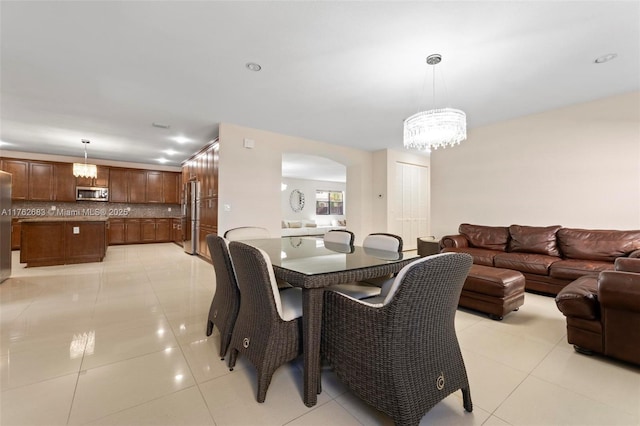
338, 236
260, 334
383, 241
226, 299
402, 357
246, 233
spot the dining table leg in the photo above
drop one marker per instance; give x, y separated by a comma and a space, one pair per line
312, 300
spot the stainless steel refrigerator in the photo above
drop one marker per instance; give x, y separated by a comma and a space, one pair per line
5, 225
191, 212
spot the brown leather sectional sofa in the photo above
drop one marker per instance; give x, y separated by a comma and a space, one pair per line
603, 311
549, 257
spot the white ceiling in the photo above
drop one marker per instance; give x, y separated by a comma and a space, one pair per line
346, 73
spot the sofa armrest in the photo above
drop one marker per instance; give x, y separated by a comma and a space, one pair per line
626, 264
634, 254
579, 298
453, 241
619, 290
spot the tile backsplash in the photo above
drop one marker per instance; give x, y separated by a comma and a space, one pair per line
29, 209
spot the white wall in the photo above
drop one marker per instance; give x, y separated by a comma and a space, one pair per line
577, 167
308, 188
250, 178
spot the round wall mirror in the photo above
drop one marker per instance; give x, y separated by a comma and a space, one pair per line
296, 200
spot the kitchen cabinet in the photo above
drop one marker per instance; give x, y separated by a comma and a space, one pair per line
64, 182
154, 193
155, 230
148, 230
171, 187
47, 242
132, 233
117, 233
101, 181
140, 230
177, 227
203, 248
209, 212
137, 186
15, 234
40, 181
163, 230
118, 185
19, 170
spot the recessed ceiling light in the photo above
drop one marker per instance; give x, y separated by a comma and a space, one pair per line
181, 139
252, 66
162, 160
605, 58
161, 125
170, 152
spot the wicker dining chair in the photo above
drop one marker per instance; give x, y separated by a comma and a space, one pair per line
402, 355
339, 236
246, 233
380, 245
226, 299
268, 330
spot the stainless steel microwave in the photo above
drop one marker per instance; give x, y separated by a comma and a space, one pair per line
84, 193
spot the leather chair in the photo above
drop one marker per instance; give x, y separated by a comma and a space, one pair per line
603, 311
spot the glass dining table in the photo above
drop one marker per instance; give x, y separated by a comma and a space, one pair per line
312, 265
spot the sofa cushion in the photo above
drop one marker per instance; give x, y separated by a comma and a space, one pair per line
486, 237
570, 269
602, 245
525, 262
480, 256
295, 224
534, 239
579, 298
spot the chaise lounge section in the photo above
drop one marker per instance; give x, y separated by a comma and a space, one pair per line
548, 257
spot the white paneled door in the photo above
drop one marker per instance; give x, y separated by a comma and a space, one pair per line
411, 207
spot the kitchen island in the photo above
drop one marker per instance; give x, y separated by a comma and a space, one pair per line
47, 241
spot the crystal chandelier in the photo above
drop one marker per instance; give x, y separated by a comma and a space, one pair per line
84, 169
435, 128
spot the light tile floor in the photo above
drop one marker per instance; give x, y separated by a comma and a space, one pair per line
123, 342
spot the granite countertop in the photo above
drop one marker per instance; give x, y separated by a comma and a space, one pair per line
64, 219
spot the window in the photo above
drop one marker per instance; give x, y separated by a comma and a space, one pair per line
330, 202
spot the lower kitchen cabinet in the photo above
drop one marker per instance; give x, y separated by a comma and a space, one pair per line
58, 242
15, 234
177, 233
203, 249
163, 230
134, 231
117, 233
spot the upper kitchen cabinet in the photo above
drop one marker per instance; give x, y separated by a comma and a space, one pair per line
171, 187
40, 181
118, 185
154, 187
64, 182
19, 170
101, 181
163, 187
137, 186
144, 186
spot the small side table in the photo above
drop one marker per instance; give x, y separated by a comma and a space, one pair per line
427, 247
